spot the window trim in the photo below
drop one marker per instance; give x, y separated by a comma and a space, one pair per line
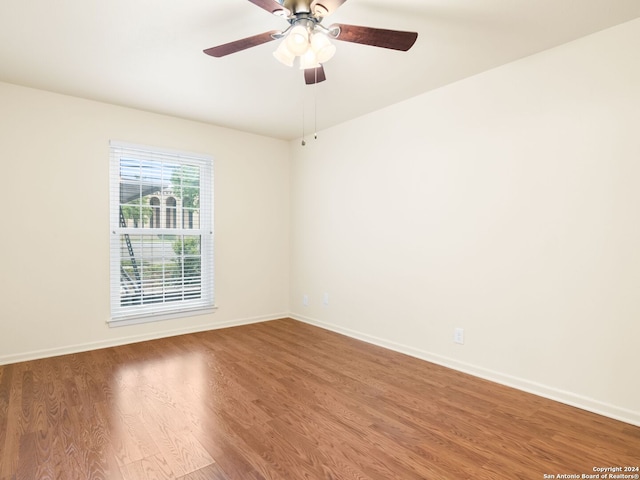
130, 315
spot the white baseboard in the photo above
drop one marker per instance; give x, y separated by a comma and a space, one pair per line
54, 352
562, 396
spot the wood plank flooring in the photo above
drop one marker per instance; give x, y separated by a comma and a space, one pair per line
285, 400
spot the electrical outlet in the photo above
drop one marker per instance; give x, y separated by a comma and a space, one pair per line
305, 300
458, 335
325, 299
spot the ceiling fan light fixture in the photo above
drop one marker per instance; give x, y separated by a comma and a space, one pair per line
322, 46
298, 40
284, 55
307, 38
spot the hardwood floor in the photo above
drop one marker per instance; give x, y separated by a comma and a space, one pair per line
285, 400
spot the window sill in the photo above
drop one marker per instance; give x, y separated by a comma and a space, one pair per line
150, 318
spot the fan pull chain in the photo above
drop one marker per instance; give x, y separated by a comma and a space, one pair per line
303, 143
315, 106
315, 110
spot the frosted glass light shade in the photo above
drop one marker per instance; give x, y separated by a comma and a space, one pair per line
284, 55
323, 47
309, 60
298, 40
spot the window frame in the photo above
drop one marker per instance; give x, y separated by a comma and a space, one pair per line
121, 314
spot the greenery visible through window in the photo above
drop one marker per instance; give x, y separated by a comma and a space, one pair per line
161, 246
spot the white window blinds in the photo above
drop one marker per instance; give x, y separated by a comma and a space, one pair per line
161, 234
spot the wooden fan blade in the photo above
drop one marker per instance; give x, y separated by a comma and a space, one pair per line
377, 37
271, 6
314, 75
238, 45
330, 6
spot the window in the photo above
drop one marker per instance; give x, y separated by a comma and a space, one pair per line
171, 212
155, 212
161, 234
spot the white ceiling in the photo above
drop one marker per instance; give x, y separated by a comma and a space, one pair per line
147, 54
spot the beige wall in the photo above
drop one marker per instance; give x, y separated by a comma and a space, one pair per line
54, 157
507, 204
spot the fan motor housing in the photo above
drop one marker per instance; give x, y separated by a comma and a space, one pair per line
297, 6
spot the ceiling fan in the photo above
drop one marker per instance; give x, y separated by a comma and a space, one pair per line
310, 41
